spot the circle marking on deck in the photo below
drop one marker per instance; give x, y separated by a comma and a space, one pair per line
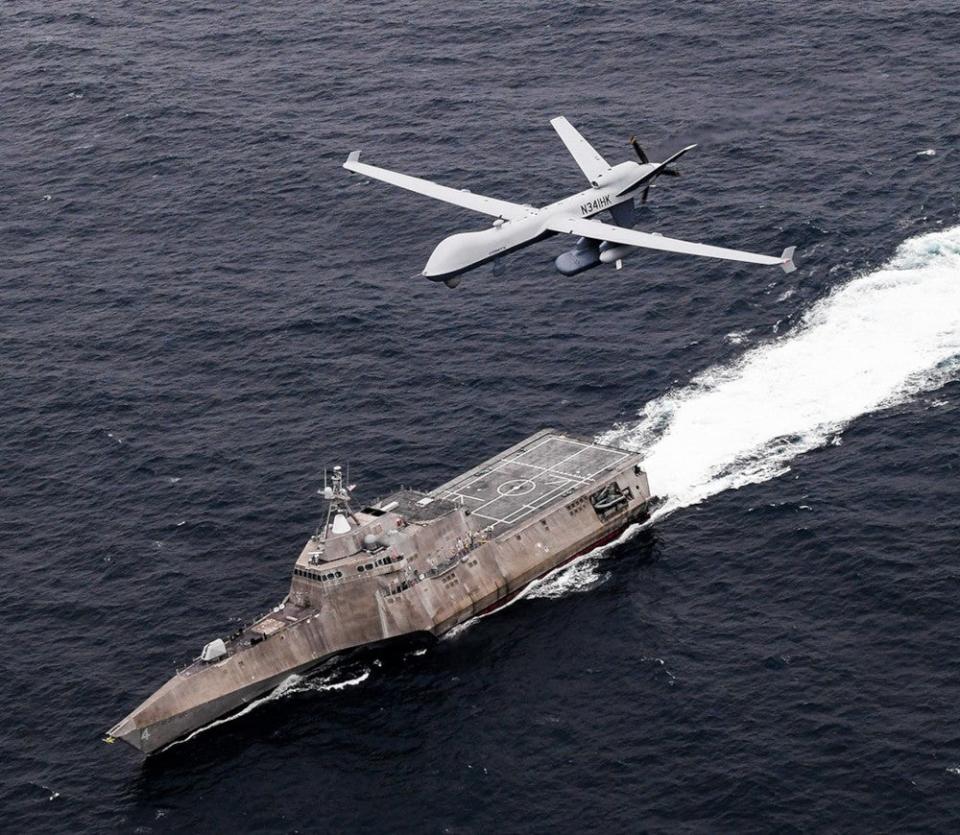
517, 487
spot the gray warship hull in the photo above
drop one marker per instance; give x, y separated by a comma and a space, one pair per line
412, 563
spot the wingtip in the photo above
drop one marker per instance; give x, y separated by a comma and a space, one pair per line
353, 157
786, 260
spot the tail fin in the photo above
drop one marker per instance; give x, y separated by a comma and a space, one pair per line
583, 153
659, 168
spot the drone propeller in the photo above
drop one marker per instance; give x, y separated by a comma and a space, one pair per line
638, 150
641, 154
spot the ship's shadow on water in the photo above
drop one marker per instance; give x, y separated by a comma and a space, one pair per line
401, 683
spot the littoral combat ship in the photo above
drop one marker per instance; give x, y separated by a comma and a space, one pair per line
412, 563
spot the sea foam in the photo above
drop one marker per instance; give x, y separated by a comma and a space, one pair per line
874, 342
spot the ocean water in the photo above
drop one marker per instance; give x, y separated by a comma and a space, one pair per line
199, 310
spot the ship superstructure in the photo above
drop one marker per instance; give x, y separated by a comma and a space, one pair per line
413, 562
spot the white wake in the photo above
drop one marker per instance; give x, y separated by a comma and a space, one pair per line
874, 342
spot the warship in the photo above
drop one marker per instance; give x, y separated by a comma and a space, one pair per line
412, 564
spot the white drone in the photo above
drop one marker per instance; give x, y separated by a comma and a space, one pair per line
612, 188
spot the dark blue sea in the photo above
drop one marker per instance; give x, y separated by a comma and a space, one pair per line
200, 310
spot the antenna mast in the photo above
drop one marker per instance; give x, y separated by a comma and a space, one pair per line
339, 511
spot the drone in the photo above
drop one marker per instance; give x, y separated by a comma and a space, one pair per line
613, 189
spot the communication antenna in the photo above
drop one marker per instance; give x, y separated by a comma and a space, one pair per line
337, 496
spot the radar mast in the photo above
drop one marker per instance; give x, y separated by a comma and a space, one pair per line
339, 512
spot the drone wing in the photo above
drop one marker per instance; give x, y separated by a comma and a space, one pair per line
583, 153
599, 231
459, 197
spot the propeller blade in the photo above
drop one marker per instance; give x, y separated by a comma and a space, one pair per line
638, 150
643, 197
656, 170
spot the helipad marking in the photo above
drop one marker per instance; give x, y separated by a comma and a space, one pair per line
516, 487
489, 500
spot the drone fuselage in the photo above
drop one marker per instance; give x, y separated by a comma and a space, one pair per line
466, 250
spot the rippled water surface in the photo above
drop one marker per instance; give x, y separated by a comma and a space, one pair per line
199, 309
